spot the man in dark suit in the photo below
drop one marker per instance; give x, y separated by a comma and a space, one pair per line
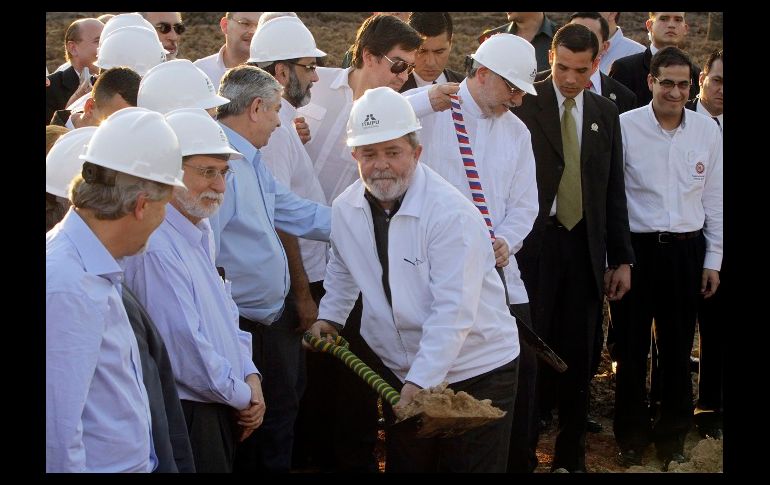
80, 43
535, 27
665, 28
712, 312
579, 247
435, 28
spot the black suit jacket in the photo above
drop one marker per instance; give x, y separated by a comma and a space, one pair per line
169, 428
63, 84
692, 104
623, 97
632, 72
601, 159
451, 76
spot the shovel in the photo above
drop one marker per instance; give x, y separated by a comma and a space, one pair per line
424, 425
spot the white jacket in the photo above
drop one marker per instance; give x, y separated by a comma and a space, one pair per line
449, 320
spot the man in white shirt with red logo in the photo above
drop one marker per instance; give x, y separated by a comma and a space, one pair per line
673, 176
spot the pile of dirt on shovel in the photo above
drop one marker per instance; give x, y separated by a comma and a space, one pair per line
442, 402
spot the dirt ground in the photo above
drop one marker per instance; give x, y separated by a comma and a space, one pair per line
334, 32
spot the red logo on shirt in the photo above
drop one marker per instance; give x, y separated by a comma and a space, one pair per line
699, 167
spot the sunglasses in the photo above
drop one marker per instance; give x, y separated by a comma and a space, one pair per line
399, 65
165, 27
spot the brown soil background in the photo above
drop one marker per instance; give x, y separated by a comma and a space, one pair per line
334, 33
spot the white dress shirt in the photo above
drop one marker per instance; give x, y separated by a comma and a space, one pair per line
577, 115
502, 150
420, 82
448, 320
285, 156
620, 46
213, 66
327, 116
674, 183
596, 82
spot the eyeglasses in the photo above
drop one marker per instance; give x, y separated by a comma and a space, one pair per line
514, 89
669, 84
308, 67
165, 27
399, 65
211, 173
245, 23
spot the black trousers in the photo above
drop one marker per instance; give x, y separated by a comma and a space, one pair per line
712, 317
214, 433
336, 427
566, 307
521, 451
277, 352
483, 449
665, 286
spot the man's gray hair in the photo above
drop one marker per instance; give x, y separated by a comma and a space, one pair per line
110, 202
242, 84
413, 139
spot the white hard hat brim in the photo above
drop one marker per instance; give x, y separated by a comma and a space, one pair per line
212, 102
168, 180
214, 151
372, 138
316, 53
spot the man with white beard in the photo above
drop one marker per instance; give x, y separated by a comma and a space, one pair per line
177, 282
434, 306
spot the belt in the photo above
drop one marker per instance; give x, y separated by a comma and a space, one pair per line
669, 237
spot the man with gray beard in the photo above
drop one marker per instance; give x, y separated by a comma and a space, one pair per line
176, 280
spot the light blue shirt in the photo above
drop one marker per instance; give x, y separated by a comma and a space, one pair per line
179, 286
244, 230
97, 414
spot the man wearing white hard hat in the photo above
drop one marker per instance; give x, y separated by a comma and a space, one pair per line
252, 255
238, 28
178, 84
434, 306
169, 431
579, 248
286, 49
97, 411
500, 75
176, 280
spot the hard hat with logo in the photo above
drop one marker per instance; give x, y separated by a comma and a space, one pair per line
138, 142
177, 84
381, 114
62, 162
124, 20
134, 47
283, 38
199, 134
511, 57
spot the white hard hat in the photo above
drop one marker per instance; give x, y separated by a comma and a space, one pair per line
124, 20
511, 57
177, 84
199, 134
138, 142
134, 47
62, 162
381, 114
283, 38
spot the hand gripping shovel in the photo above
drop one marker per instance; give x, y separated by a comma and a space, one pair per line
425, 424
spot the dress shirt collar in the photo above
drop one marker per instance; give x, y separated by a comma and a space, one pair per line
596, 79
193, 233
287, 110
682, 125
241, 144
469, 105
560, 98
342, 79
617, 36
420, 82
96, 259
699, 108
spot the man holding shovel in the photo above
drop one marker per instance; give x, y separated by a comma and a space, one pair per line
434, 306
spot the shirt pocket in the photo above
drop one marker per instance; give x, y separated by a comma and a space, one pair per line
314, 115
692, 173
